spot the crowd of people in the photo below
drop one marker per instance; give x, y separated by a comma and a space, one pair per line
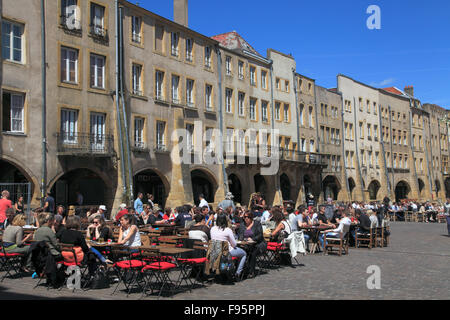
229, 222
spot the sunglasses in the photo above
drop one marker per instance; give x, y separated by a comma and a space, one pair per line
246, 217
96, 222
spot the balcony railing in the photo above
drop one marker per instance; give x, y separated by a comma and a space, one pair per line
70, 24
98, 32
82, 144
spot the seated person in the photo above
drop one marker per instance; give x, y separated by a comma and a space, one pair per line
129, 233
282, 227
45, 233
183, 216
13, 240
200, 231
252, 230
123, 211
364, 221
321, 217
338, 232
304, 221
373, 219
58, 226
99, 230
221, 232
146, 217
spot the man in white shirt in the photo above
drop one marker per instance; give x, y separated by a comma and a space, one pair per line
203, 202
336, 233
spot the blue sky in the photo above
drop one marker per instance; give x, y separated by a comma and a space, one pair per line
328, 37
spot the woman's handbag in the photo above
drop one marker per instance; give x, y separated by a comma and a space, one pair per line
100, 280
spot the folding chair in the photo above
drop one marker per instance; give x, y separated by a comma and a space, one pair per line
194, 266
127, 266
340, 243
9, 262
155, 274
364, 239
68, 251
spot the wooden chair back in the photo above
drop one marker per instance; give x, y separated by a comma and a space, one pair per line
168, 242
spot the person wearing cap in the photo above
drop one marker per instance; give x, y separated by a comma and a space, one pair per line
122, 211
228, 202
155, 218
100, 213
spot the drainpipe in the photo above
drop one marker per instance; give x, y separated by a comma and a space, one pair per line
119, 122
432, 177
343, 140
357, 149
392, 150
383, 152
318, 144
44, 105
430, 181
219, 68
277, 179
411, 145
122, 77
296, 109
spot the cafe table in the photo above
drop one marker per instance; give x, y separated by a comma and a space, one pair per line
315, 233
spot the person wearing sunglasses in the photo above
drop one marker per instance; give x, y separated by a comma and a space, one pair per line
251, 230
99, 230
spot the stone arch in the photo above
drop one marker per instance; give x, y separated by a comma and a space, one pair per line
421, 186
13, 171
373, 189
437, 184
235, 187
203, 182
260, 184
285, 187
402, 190
351, 186
331, 187
153, 181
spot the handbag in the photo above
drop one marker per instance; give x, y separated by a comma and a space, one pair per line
226, 266
100, 280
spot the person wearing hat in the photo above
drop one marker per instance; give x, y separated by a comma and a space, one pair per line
228, 202
155, 218
100, 213
122, 211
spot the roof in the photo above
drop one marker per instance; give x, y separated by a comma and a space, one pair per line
394, 90
233, 41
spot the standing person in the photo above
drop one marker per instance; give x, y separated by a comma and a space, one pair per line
49, 203
221, 232
447, 214
79, 198
150, 200
228, 202
138, 205
19, 206
203, 202
5, 204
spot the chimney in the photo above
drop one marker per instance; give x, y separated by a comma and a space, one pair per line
180, 12
409, 90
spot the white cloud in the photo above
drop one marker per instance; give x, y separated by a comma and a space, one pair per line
383, 83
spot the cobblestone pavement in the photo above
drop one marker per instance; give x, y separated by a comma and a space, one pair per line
414, 266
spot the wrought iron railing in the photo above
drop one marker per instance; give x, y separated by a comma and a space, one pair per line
99, 32
85, 144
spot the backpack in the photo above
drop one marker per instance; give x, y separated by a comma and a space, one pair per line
226, 266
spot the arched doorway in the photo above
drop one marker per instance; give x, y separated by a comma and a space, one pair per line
9, 174
351, 186
331, 187
447, 187
438, 187
235, 187
307, 183
401, 191
90, 185
285, 186
148, 181
260, 185
374, 187
202, 183
421, 186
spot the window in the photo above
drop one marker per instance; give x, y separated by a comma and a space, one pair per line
69, 18
159, 38
241, 69
241, 103
338, 137
190, 92
360, 104
311, 146
404, 138
369, 131
395, 161
137, 79
69, 65
97, 71
375, 111
310, 118
13, 112
208, 97
264, 79
136, 24
228, 65
264, 113
286, 113
287, 144
98, 20
368, 106
252, 109
229, 100
377, 159
241, 142
352, 132
286, 86
310, 88
175, 89
161, 135
174, 45
69, 126
253, 76
303, 144
98, 131
361, 130
277, 111
208, 57
139, 132
394, 137
159, 85
189, 49
302, 109
190, 137
375, 132
208, 138
229, 140
278, 83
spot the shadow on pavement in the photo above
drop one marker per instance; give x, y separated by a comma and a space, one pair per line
5, 294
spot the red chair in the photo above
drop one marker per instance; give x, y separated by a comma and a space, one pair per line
194, 266
9, 262
127, 266
156, 273
73, 257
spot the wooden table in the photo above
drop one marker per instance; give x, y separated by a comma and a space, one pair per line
315, 230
